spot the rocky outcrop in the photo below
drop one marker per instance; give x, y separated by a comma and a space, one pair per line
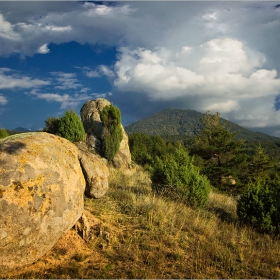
42, 188
96, 173
90, 115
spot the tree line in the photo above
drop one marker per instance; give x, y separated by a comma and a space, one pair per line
215, 159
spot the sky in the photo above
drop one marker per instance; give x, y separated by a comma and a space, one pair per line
143, 56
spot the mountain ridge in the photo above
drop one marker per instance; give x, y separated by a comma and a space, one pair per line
172, 121
22, 129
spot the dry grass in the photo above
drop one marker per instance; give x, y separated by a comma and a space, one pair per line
146, 236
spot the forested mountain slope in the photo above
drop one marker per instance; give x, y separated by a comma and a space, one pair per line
173, 121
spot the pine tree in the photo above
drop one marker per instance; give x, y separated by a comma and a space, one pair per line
216, 145
3, 133
260, 165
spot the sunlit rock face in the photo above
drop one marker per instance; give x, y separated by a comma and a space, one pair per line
41, 195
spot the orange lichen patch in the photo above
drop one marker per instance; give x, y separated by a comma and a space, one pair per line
21, 193
33, 148
23, 161
45, 206
2, 192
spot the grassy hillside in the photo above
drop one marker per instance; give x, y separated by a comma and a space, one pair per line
187, 122
140, 235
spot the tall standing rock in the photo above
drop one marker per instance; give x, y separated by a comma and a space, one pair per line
90, 115
41, 195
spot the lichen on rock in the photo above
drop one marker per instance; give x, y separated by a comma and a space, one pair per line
41, 195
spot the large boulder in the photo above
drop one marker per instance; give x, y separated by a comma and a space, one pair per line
90, 115
41, 195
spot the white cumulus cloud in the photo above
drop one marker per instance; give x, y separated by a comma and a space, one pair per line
101, 70
221, 75
13, 80
3, 100
43, 49
222, 55
66, 101
66, 80
105, 70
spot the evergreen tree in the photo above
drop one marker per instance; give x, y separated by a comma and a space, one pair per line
260, 165
259, 205
175, 175
51, 125
3, 133
144, 148
139, 145
112, 135
71, 127
68, 126
216, 145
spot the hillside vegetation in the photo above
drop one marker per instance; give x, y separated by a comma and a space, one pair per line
150, 236
184, 125
209, 210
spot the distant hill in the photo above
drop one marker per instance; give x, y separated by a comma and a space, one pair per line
21, 129
18, 130
187, 122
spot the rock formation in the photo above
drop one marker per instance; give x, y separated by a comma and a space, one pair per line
42, 188
95, 171
90, 115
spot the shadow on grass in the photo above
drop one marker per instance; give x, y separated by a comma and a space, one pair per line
222, 214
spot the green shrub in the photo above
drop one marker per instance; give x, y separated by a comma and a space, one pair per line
175, 175
112, 135
68, 126
51, 125
259, 205
3, 133
144, 148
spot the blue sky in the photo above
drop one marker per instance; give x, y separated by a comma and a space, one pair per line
142, 56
